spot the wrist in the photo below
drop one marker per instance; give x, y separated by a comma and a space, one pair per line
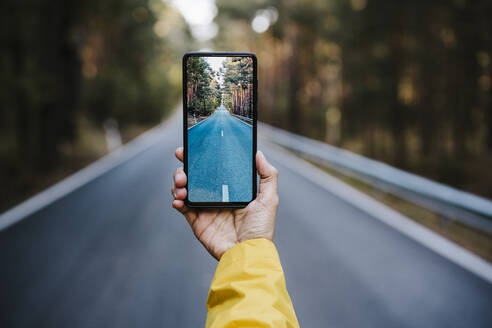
248, 249
252, 235
225, 247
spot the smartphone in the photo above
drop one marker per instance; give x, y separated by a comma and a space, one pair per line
219, 128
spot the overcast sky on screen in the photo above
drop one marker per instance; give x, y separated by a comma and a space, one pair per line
216, 63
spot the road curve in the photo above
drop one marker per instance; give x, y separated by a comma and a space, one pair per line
114, 253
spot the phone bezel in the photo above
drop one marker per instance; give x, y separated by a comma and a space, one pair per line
185, 126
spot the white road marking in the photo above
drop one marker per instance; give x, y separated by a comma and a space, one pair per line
225, 193
221, 133
428, 238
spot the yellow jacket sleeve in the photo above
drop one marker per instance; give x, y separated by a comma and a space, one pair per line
248, 289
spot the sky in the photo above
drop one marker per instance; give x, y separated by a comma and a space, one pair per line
199, 14
216, 63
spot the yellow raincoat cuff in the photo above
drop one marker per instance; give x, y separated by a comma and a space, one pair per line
248, 289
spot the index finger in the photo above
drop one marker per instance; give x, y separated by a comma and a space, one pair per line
179, 153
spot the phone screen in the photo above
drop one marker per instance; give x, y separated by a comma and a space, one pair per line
219, 99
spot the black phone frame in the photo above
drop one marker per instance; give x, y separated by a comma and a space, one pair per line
185, 126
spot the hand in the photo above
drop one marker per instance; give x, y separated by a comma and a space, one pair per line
220, 229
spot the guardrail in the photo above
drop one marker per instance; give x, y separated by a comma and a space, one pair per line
244, 118
451, 203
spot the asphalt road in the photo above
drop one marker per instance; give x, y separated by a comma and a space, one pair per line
115, 254
220, 161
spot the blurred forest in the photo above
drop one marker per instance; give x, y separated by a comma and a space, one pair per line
69, 66
406, 82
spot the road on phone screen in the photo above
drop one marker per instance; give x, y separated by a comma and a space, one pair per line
219, 154
114, 253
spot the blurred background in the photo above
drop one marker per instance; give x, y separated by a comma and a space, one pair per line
407, 83
68, 67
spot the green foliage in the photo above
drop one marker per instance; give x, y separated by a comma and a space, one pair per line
121, 55
238, 74
63, 61
203, 88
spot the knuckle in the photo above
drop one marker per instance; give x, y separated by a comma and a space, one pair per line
178, 172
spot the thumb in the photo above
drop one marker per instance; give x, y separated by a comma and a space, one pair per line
268, 178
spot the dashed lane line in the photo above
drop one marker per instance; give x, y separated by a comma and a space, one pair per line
225, 193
